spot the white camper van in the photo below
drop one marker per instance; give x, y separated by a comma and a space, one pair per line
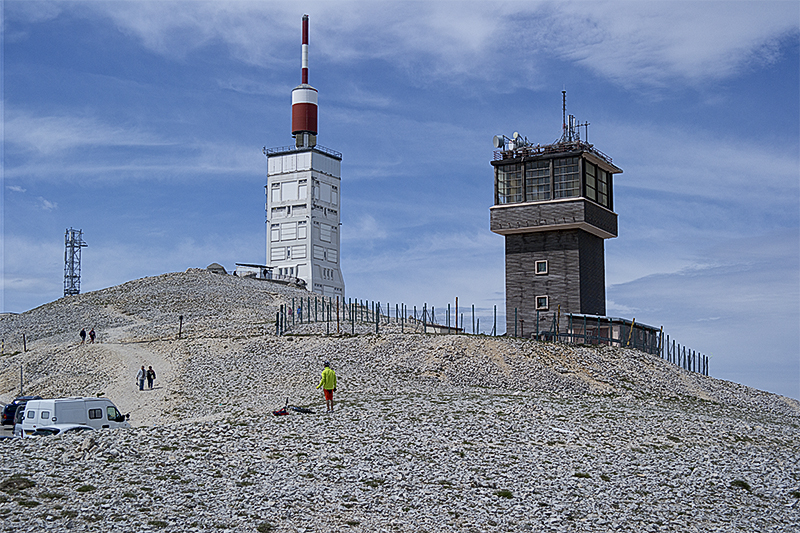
98, 413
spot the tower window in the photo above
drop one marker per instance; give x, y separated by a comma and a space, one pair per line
509, 184
591, 181
537, 181
602, 188
542, 303
541, 267
566, 179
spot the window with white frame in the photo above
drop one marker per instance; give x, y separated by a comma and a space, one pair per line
541, 267
302, 229
542, 303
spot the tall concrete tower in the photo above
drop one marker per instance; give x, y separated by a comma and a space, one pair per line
554, 205
303, 199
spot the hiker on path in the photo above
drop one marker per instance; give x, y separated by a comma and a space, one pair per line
140, 376
151, 376
328, 384
91, 336
83, 335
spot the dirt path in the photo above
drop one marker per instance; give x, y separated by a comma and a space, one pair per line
146, 407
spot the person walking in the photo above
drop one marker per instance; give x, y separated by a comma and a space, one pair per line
91, 336
328, 384
140, 376
83, 335
151, 376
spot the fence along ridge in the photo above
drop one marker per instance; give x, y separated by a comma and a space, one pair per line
326, 309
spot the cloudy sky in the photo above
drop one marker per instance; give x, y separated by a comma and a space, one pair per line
142, 124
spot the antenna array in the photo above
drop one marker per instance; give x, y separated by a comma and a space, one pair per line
73, 242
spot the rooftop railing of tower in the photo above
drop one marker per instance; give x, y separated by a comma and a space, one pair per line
284, 149
555, 148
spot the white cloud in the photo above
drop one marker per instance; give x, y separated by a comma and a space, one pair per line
703, 164
243, 85
652, 43
59, 147
365, 229
47, 135
632, 43
15, 188
46, 204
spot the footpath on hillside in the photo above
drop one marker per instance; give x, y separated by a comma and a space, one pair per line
146, 406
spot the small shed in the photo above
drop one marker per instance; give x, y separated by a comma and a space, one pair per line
216, 268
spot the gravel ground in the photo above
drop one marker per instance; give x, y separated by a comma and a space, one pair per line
430, 433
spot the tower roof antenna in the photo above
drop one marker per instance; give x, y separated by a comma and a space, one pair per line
304, 102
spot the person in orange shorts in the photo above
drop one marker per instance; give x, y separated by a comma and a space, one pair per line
328, 384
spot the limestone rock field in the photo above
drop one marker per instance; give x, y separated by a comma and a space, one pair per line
430, 432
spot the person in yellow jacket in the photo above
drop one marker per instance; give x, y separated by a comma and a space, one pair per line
328, 384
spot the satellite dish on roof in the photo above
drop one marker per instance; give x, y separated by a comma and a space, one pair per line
516, 135
498, 141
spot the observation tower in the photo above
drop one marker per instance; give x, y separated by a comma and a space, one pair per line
554, 204
303, 199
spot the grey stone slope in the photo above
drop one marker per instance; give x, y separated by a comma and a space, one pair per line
430, 433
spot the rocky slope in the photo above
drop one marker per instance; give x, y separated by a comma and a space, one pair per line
430, 433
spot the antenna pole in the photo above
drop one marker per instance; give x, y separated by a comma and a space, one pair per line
305, 50
564, 113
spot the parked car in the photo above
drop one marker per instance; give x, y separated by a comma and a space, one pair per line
99, 413
10, 409
60, 429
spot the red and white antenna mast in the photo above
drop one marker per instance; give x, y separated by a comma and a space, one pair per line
304, 102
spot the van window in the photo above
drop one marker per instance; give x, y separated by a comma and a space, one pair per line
112, 413
31, 413
95, 414
45, 415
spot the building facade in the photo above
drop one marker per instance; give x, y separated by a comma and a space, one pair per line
303, 217
554, 205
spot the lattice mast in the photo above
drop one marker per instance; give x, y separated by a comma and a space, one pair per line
73, 242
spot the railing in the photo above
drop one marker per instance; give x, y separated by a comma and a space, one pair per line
282, 149
527, 151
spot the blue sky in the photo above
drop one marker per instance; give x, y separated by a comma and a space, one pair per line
142, 124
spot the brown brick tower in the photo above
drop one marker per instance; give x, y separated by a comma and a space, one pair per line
554, 205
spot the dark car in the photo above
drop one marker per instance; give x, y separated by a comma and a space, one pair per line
10, 409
